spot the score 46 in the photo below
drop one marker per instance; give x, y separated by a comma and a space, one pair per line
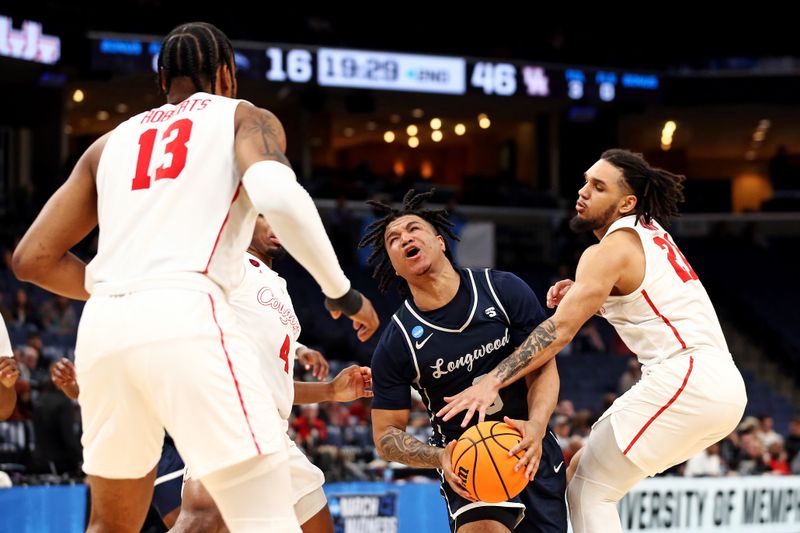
495, 78
501, 79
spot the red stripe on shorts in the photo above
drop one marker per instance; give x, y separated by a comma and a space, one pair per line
233, 374
663, 408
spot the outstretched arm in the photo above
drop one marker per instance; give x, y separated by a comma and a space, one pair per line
598, 271
42, 256
350, 384
272, 186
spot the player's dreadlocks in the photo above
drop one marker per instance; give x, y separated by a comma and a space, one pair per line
412, 202
194, 50
658, 192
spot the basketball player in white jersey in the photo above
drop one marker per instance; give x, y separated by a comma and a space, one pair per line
175, 191
265, 309
8, 374
691, 394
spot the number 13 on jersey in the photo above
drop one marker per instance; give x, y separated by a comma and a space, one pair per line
173, 159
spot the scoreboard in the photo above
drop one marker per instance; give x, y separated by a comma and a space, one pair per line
394, 71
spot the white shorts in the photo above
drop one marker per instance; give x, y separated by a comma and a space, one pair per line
307, 482
174, 359
306, 477
680, 407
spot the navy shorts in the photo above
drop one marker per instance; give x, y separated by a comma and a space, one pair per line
540, 508
169, 479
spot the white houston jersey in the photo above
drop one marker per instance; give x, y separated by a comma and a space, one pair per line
170, 199
266, 315
670, 313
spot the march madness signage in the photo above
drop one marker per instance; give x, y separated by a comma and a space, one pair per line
364, 513
666, 504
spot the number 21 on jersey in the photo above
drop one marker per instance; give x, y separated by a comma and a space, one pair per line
173, 160
682, 267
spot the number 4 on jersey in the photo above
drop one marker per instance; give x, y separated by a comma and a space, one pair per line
176, 148
285, 354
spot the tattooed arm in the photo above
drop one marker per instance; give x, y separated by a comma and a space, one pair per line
599, 270
394, 444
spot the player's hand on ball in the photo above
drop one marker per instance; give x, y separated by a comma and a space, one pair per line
449, 475
532, 434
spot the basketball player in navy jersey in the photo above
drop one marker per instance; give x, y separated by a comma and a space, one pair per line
457, 325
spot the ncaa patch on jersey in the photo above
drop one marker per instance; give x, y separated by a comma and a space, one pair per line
417, 332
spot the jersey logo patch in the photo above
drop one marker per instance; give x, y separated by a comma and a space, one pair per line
417, 332
490, 312
420, 344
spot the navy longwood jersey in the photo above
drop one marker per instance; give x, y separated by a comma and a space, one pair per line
447, 360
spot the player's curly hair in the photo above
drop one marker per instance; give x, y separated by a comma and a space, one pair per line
195, 50
658, 192
374, 238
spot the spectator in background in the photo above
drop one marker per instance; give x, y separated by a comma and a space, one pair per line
582, 423
419, 426
608, 399
32, 369
706, 463
730, 451
58, 316
562, 429
359, 411
777, 459
631, 376
23, 313
310, 429
566, 408
754, 457
792, 441
58, 447
765, 432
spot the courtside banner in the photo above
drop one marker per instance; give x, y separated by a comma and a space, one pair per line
731, 504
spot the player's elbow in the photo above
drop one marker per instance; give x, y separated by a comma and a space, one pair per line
24, 264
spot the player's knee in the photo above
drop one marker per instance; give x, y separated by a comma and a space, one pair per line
206, 519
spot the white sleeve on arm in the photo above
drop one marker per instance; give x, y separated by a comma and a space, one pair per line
291, 212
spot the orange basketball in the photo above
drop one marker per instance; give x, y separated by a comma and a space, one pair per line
481, 460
